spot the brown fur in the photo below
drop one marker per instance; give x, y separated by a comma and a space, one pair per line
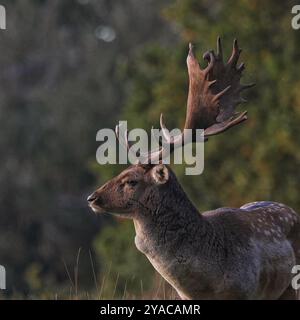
228, 253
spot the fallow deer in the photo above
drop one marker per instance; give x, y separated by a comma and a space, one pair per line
227, 253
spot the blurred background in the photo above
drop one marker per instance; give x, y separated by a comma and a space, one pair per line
72, 67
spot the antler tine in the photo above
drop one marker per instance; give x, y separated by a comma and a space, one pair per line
223, 126
210, 56
117, 131
126, 139
144, 158
123, 142
241, 67
236, 51
154, 154
220, 94
159, 154
171, 140
191, 48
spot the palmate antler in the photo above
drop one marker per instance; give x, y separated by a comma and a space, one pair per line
214, 93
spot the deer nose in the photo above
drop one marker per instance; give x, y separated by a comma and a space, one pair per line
92, 197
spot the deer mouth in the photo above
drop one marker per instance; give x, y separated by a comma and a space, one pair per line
96, 208
95, 203
118, 212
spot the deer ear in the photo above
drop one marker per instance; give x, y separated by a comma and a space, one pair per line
160, 174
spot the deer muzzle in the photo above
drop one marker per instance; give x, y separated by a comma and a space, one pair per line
94, 201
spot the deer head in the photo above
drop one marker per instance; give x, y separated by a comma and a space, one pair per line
214, 93
137, 187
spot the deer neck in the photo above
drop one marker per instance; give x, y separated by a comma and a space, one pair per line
177, 240
165, 220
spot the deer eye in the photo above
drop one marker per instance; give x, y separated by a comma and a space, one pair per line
132, 183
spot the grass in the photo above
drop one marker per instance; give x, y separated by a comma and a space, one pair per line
107, 287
